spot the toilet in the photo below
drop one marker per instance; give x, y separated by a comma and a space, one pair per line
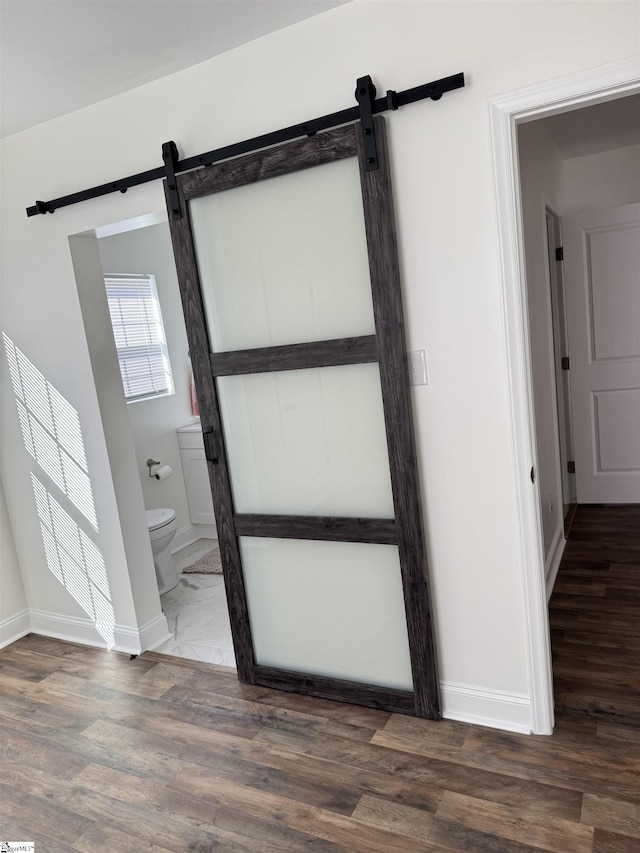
162, 524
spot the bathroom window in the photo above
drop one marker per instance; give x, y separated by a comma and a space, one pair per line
139, 335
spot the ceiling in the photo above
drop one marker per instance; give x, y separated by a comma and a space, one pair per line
591, 130
57, 56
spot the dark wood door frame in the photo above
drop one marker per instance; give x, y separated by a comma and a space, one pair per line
387, 347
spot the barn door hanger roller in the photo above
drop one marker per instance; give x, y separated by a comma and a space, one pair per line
365, 96
368, 106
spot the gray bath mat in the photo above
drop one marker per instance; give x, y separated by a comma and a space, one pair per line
210, 564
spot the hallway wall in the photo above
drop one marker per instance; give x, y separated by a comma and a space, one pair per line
542, 184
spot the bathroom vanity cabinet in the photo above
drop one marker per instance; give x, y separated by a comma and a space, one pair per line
196, 477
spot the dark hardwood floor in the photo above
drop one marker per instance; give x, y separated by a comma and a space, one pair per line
99, 752
595, 618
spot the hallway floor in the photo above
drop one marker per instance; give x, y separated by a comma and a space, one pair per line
595, 620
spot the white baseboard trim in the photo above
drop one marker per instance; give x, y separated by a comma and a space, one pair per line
493, 708
552, 563
14, 627
155, 633
73, 629
190, 534
81, 630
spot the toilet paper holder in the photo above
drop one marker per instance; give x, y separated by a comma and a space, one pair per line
151, 463
158, 471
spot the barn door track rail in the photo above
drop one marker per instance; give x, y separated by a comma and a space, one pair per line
368, 106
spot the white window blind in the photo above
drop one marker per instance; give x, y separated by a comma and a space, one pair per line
139, 335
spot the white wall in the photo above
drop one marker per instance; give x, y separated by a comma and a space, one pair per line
154, 422
448, 244
542, 184
602, 180
14, 617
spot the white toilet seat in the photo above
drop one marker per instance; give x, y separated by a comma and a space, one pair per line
158, 518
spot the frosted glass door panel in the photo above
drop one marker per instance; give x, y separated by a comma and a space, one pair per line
328, 608
308, 442
285, 261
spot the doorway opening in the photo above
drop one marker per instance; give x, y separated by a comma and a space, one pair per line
542, 545
161, 428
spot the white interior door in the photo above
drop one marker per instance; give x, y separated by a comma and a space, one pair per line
602, 279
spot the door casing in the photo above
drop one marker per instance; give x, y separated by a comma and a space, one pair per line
506, 111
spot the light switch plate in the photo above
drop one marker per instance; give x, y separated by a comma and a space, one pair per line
418, 367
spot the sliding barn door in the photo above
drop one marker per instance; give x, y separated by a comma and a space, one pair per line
288, 272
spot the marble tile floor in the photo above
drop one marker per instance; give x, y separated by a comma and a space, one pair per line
196, 612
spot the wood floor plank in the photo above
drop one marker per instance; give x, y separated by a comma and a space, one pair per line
25, 671
574, 775
583, 586
182, 748
314, 821
458, 838
590, 658
51, 818
18, 708
403, 820
613, 815
455, 769
597, 629
602, 640
117, 705
589, 769
152, 825
559, 836
117, 783
146, 684
624, 734
259, 714
233, 829
31, 658
258, 833
162, 828
432, 731
612, 842
18, 746
106, 741
618, 707
220, 745
14, 830
99, 838
224, 683
71, 797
